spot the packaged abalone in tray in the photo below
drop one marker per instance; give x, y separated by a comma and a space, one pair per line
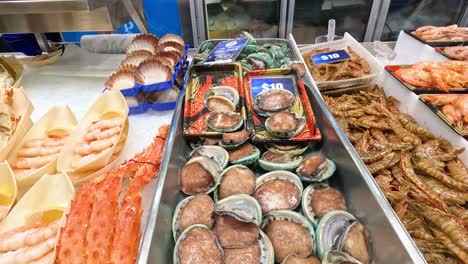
214, 100
278, 107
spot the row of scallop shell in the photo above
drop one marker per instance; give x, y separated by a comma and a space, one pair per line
148, 60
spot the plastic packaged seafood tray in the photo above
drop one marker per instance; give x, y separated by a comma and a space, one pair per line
437, 102
362, 197
437, 43
350, 42
461, 52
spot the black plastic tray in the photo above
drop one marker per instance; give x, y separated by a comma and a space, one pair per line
437, 43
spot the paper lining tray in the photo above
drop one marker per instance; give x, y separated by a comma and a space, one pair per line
362, 196
360, 50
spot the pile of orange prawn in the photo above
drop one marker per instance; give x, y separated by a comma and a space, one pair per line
454, 107
98, 228
448, 33
420, 175
436, 75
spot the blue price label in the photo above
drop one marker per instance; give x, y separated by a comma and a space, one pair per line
260, 84
330, 57
226, 51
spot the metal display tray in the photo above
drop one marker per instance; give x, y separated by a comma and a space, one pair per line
390, 242
260, 41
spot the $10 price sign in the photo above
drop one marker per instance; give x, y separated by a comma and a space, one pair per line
330, 57
259, 84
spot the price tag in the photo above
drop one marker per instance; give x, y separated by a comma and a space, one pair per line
259, 84
226, 51
330, 57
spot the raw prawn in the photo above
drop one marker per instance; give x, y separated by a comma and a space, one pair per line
416, 77
98, 134
39, 151
36, 162
106, 124
444, 79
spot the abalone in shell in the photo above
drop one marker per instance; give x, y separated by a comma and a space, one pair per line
274, 100
232, 233
224, 122
292, 259
355, 242
244, 151
277, 194
235, 137
247, 255
284, 124
199, 210
236, 179
199, 246
326, 199
289, 238
199, 175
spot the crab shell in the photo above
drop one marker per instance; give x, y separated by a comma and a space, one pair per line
178, 211
234, 139
338, 257
209, 165
248, 159
307, 200
242, 207
218, 154
324, 171
282, 100
271, 165
300, 123
217, 117
226, 97
183, 236
238, 178
294, 150
281, 175
331, 226
290, 216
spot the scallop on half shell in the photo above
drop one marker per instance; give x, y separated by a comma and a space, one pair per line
172, 37
172, 46
137, 57
171, 56
147, 42
278, 190
152, 71
123, 78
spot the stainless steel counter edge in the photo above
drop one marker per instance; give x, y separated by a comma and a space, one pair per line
397, 226
147, 235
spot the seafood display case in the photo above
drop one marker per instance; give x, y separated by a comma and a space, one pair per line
389, 241
216, 19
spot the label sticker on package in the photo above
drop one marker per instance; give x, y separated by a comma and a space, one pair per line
260, 84
226, 51
330, 57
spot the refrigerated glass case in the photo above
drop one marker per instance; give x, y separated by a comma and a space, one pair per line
308, 19
220, 19
410, 14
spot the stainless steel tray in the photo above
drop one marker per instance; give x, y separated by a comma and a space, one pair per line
390, 242
261, 41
